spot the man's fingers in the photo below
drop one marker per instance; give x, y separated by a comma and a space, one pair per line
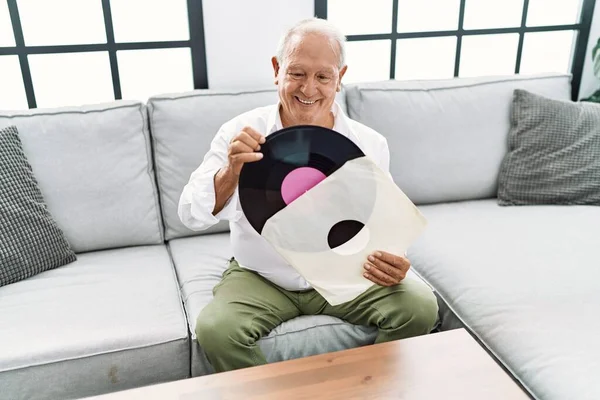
254, 134
376, 280
388, 269
248, 140
374, 271
240, 147
242, 158
387, 257
397, 261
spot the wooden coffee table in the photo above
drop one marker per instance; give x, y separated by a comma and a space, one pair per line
447, 365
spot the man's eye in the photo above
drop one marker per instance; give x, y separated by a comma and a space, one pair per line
296, 74
324, 78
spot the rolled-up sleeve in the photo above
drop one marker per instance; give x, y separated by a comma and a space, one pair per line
197, 200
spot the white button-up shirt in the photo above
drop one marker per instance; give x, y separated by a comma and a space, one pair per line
250, 249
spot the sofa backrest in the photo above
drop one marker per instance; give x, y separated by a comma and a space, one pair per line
93, 165
183, 126
447, 138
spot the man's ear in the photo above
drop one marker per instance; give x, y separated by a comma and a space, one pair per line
275, 69
342, 72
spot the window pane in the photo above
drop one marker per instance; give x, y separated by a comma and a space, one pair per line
150, 21
488, 54
7, 38
427, 15
426, 58
553, 12
481, 14
255, 48
12, 95
356, 17
62, 22
145, 73
547, 52
71, 79
368, 61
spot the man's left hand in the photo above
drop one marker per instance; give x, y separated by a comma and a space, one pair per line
386, 269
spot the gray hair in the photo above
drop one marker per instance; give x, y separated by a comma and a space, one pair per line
318, 26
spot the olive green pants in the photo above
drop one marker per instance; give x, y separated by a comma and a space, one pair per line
247, 307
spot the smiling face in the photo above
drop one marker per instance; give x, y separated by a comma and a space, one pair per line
308, 81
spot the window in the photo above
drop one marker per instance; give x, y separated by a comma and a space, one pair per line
7, 38
71, 78
69, 52
117, 52
425, 58
13, 91
436, 39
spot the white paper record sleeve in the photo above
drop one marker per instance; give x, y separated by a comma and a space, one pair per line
327, 233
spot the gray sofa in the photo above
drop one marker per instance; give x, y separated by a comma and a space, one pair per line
123, 315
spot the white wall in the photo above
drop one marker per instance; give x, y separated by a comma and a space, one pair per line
589, 83
241, 37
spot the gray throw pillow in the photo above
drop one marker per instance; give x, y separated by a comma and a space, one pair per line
553, 153
30, 240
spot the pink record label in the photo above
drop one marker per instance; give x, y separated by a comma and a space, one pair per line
299, 181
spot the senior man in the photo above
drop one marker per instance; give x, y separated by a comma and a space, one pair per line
259, 290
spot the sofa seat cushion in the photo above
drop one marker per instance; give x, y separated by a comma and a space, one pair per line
110, 321
200, 262
525, 281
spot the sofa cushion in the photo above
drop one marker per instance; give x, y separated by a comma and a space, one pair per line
200, 262
93, 166
524, 280
447, 138
112, 320
183, 126
30, 240
553, 155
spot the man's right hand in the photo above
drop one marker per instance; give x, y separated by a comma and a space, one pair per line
244, 147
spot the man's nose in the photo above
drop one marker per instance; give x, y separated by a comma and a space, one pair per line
309, 88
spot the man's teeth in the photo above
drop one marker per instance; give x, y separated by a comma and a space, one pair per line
305, 102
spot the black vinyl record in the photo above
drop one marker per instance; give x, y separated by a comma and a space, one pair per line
260, 183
